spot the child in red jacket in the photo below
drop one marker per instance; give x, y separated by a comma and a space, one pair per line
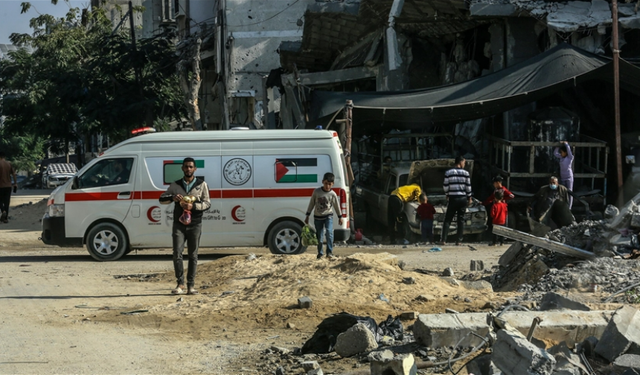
498, 215
426, 212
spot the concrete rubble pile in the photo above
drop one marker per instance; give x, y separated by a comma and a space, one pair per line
600, 255
565, 339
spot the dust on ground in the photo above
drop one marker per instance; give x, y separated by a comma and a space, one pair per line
250, 302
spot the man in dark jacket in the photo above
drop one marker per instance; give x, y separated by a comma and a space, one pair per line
189, 233
551, 203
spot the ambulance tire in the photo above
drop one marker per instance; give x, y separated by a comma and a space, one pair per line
106, 241
286, 238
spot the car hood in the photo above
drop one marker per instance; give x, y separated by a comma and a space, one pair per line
429, 174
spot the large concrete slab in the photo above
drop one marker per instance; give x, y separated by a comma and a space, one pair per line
514, 355
622, 335
438, 330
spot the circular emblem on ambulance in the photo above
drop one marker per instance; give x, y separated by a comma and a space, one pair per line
237, 171
238, 213
154, 214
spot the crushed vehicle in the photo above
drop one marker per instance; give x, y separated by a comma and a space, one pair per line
429, 175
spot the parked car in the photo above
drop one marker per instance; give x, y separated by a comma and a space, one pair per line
57, 174
429, 175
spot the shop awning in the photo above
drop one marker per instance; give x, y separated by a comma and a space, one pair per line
561, 67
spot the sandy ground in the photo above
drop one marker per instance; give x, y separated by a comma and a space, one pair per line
65, 313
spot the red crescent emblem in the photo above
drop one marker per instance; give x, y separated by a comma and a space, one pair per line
150, 214
234, 213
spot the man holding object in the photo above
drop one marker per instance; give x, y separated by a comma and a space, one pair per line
189, 233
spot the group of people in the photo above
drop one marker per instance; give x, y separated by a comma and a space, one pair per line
457, 188
323, 203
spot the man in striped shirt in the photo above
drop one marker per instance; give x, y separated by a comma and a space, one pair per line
457, 187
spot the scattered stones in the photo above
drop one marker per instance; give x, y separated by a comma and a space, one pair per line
555, 301
305, 302
310, 365
291, 325
409, 280
385, 363
355, 340
476, 265
447, 272
409, 315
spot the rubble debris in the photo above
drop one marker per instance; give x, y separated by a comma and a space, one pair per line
305, 302
482, 365
476, 265
409, 280
324, 339
447, 272
355, 340
555, 301
622, 334
385, 363
514, 355
442, 330
611, 276
542, 242
567, 362
628, 361
409, 315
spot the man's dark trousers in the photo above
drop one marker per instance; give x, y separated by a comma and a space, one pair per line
457, 205
5, 200
191, 235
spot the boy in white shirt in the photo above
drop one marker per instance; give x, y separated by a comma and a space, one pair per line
325, 202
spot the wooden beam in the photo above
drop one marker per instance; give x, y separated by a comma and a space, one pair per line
542, 242
337, 76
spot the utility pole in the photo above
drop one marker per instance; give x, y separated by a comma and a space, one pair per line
133, 43
616, 99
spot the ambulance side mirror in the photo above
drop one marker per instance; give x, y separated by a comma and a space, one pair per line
74, 184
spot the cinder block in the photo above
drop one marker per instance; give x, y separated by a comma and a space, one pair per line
305, 302
514, 355
622, 334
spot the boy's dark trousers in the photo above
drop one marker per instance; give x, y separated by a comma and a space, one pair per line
426, 228
496, 238
394, 208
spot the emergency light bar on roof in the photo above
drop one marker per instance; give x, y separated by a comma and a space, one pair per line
145, 130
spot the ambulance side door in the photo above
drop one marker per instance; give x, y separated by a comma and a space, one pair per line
104, 191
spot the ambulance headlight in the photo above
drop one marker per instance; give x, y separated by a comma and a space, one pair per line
56, 210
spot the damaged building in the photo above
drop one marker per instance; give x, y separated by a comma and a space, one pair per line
392, 58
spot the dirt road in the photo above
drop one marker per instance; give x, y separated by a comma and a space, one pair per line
62, 312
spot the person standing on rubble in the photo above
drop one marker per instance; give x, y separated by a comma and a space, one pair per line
457, 187
546, 198
566, 166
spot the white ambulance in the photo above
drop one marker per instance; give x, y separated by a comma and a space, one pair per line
260, 183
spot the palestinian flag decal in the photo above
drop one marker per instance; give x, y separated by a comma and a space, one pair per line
298, 170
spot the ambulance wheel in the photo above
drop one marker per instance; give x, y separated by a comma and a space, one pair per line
106, 241
286, 238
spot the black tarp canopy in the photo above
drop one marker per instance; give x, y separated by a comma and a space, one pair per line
561, 67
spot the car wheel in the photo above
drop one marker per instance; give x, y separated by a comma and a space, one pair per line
106, 241
286, 238
407, 233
